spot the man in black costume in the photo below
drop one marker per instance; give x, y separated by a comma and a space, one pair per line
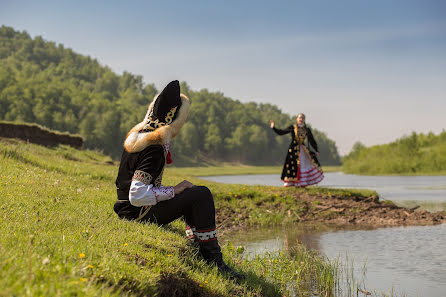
141, 197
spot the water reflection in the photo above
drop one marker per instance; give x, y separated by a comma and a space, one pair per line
408, 260
258, 241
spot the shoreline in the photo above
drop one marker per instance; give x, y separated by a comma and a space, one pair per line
240, 169
235, 170
339, 208
440, 173
333, 207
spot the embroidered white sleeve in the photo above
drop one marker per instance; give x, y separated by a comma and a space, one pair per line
141, 194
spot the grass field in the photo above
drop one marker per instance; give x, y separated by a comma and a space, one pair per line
60, 237
231, 169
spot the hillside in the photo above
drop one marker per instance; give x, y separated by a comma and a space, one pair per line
45, 83
60, 237
410, 155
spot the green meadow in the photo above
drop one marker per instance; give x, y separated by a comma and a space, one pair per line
236, 169
60, 236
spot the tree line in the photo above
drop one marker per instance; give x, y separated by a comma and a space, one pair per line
412, 154
45, 83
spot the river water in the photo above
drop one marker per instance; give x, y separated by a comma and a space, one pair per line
399, 261
426, 191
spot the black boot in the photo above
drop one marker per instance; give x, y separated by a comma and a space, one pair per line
211, 252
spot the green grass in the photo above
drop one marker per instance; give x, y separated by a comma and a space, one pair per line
60, 236
432, 206
416, 154
427, 173
231, 169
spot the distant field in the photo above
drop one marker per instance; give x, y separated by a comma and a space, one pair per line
236, 170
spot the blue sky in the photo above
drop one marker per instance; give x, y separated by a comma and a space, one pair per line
369, 71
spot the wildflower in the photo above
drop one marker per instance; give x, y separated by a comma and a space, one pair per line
83, 279
205, 282
81, 255
90, 266
235, 195
169, 255
126, 244
201, 285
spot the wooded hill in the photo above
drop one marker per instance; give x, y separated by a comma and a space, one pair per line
409, 155
45, 83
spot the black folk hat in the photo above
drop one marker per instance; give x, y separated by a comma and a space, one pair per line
163, 121
164, 109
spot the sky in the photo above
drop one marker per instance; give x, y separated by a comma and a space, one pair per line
368, 71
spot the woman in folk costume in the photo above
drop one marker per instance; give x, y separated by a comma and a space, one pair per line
301, 167
142, 197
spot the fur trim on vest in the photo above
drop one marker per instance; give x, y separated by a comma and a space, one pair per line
136, 142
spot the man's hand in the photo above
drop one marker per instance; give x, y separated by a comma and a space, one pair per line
182, 186
271, 122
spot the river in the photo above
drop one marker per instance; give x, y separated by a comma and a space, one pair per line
408, 261
426, 191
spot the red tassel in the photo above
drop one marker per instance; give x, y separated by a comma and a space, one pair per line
169, 158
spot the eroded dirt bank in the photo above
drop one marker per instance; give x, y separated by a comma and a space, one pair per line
365, 211
330, 209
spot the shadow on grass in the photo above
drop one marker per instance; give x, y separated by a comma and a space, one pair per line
127, 286
169, 284
253, 281
256, 282
179, 284
175, 229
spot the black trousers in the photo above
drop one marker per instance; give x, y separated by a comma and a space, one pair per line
195, 204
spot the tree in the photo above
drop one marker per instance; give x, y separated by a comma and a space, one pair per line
187, 141
46, 83
213, 142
